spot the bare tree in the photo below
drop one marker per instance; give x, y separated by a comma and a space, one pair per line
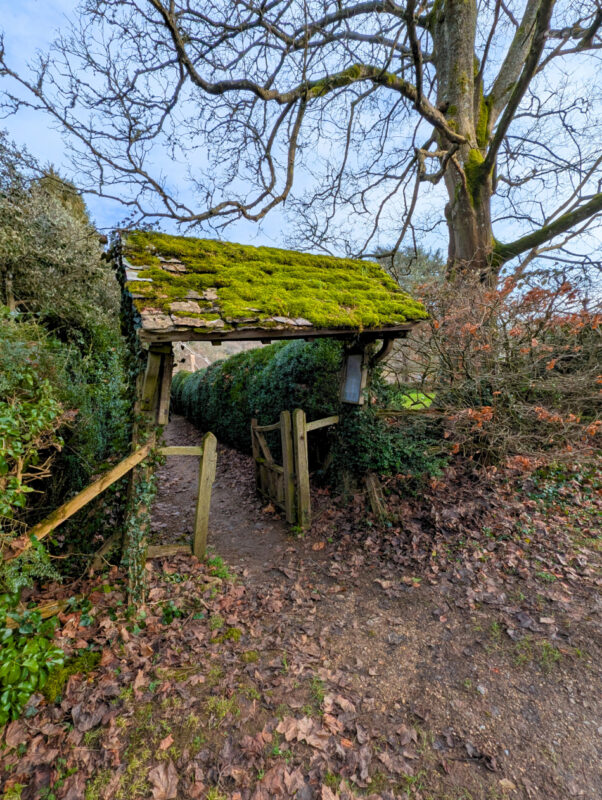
369, 103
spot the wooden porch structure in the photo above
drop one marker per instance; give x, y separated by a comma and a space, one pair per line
178, 289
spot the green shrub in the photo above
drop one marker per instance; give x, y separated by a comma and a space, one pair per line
55, 433
30, 413
366, 442
93, 384
27, 655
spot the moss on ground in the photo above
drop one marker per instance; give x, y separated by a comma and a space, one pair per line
262, 282
77, 665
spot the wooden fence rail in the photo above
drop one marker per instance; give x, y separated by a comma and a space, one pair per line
207, 457
71, 507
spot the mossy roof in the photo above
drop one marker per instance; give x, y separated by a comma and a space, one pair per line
184, 287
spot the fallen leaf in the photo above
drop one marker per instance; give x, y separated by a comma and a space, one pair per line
15, 733
86, 720
166, 743
164, 779
138, 685
406, 735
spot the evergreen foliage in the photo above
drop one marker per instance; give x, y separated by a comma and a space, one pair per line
27, 655
365, 442
64, 389
226, 396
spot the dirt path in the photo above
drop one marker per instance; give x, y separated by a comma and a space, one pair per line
240, 529
500, 713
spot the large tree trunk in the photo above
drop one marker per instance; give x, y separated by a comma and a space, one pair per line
468, 214
460, 96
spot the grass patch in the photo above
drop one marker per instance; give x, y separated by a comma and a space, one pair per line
96, 785
220, 707
219, 569
540, 652
231, 635
249, 657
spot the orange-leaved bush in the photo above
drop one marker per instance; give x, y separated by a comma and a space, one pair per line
515, 369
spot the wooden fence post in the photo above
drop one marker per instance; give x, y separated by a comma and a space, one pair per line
255, 448
301, 468
288, 465
206, 477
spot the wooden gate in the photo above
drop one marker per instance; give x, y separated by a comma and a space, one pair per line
276, 482
286, 485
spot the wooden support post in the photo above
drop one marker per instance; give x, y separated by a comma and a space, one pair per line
301, 468
288, 465
150, 383
165, 389
206, 478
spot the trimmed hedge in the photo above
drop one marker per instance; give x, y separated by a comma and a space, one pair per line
224, 397
412, 445
261, 383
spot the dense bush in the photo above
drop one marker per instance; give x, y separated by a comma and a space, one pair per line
55, 431
64, 388
365, 442
30, 413
514, 369
261, 383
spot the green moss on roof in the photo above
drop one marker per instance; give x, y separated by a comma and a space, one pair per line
263, 282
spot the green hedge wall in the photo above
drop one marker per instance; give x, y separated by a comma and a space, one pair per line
261, 383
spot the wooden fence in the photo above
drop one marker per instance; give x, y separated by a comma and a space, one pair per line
207, 456
286, 485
